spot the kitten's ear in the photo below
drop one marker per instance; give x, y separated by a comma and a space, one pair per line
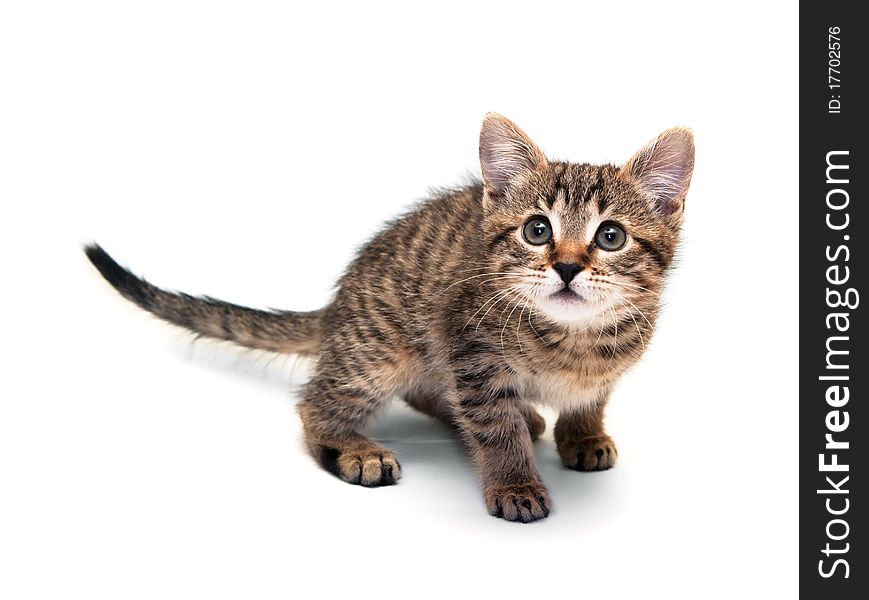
506, 153
664, 167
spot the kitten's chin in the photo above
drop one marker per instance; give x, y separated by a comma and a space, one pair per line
569, 308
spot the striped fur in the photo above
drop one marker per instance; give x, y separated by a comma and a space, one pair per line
451, 308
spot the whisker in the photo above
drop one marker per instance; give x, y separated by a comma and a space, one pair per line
628, 285
516, 275
622, 299
534, 329
514, 287
504, 328
518, 326
537, 293
642, 314
530, 271
504, 296
615, 337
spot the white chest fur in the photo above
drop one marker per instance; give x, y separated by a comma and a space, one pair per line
562, 390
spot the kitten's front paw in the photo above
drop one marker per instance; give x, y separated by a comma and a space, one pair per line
593, 453
523, 502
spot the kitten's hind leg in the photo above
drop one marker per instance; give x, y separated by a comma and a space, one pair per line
332, 416
432, 404
536, 423
435, 406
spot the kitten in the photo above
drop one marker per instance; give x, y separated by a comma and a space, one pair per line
539, 284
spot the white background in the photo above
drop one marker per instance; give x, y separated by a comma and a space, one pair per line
244, 151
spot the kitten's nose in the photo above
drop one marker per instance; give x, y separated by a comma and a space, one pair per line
567, 271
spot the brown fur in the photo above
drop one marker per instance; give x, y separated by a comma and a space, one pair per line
447, 306
582, 442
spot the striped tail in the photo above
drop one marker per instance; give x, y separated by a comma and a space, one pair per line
286, 332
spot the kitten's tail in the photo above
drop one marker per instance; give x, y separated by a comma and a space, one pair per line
276, 331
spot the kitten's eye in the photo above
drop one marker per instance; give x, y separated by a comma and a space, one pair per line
537, 231
611, 237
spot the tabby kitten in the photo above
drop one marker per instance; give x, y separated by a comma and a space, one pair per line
538, 285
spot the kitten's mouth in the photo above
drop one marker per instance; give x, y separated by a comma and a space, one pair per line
567, 296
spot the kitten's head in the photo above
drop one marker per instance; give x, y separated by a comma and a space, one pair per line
579, 241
